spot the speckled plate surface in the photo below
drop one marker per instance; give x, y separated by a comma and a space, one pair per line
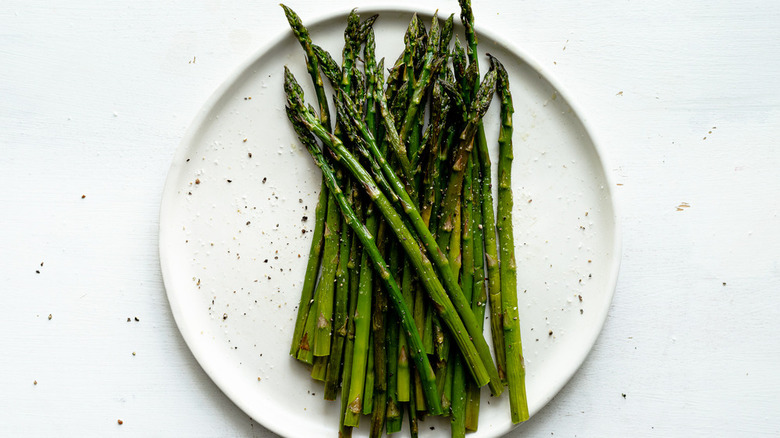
234, 234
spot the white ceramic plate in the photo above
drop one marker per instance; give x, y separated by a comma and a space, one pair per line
233, 252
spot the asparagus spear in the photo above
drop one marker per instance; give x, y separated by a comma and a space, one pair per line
346, 372
315, 252
353, 35
393, 415
304, 323
513, 343
460, 392
340, 315
305, 353
413, 417
304, 123
378, 328
403, 371
488, 221
479, 297
358, 380
319, 367
326, 286
318, 339
368, 389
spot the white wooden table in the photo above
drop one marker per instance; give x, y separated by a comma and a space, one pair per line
95, 97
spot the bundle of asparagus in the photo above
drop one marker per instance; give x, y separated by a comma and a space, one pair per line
405, 216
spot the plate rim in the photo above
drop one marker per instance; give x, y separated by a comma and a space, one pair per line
318, 17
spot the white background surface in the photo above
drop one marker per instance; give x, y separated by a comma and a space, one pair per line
95, 98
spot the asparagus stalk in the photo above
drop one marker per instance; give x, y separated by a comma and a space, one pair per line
393, 415
420, 308
403, 370
315, 252
460, 392
340, 319
309, 282
304, 123
319, 367
378, 328
446, 398
442, 347
513, 343
305, 353
323, 330
414, 429
378, 416
359, 381
455, 389
467, 238
368, 387
362, 321
479, 297
353, 36
439, 111
326, 286
488, 221
346, 372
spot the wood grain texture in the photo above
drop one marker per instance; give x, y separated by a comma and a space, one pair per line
684, 99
